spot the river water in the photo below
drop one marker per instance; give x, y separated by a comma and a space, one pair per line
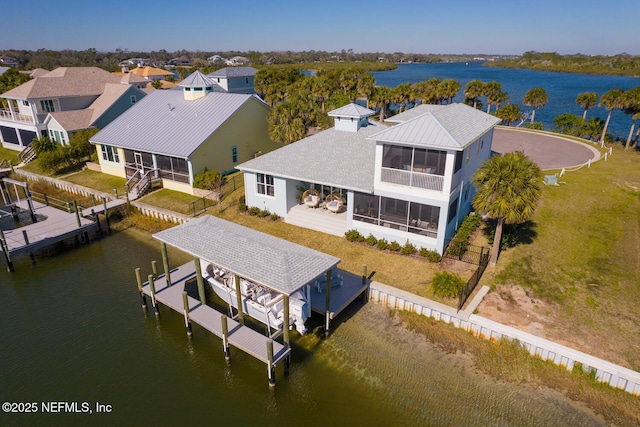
72, 330
562, 88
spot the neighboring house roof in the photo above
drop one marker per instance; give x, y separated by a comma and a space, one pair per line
259, 257
130, 78
150, 72
82, 119
73, 120
64, 82
234, 72
3, 70
196, 79
351, 110
164, 122
332, 157
453, 127
38, 72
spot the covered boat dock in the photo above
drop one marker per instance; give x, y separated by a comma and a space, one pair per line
274, 263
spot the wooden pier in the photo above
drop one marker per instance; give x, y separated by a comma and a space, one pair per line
239, 336
56, 226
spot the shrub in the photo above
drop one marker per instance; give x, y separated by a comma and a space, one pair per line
242, 207
242, 199
263, 213
447, 284
254, 210
382, 244
534, 125
408, 248
394, 246
42, 145
460, 242
207, 180
371, 240
354, 236
430, 254
274, 216
510, 235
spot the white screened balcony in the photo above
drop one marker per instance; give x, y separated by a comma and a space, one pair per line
427, 181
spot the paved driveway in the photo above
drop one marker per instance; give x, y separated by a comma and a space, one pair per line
548, 151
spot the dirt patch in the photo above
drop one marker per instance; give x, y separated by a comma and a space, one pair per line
512, 305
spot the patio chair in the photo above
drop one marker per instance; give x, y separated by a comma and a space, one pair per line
311, 198
334, 202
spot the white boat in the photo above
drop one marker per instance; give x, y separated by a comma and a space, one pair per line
259, 302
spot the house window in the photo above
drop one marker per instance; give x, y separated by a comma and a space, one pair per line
234, 154
414, 159
265, 184
246, 80
47, 105
453, 210
459, 156
133, 99
110, 154
25, 103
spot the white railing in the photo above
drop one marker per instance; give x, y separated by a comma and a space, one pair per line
412, 179
16, 117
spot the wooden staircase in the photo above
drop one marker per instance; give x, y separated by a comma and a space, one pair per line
27, 155
138, 184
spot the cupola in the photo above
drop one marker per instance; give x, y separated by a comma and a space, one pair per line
351, 117
195, 86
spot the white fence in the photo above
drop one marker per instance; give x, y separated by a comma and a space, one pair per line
607, 372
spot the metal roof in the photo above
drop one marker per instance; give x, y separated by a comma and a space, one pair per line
163, 122
332, 157
196, 79
414, 112
351, 110
234, 72
267, 260
453, 126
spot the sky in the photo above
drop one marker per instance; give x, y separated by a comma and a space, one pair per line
595, 27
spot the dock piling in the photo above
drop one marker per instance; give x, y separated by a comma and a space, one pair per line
328, 303
5, 251
75, 209
236, 278
106, 213
152, 287
165, 263
154, 269
225, 337
26, 242
187, 321
270, 366
364, 273
139, 280
200, 282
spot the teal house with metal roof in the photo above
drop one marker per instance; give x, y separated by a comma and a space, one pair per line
410, 181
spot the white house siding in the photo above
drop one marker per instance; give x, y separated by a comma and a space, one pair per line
274, 204
52, 127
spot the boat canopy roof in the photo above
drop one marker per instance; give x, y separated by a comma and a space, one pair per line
261, 258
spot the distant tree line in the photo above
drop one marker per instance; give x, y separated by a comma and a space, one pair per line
616, 65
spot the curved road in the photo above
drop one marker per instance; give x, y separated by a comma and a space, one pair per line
547, 150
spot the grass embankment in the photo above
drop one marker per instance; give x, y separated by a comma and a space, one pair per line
98, 181
9, 155
509, 361
584, 259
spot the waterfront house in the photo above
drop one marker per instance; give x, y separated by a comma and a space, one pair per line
173, 135
62, 101
235, 79
409, 181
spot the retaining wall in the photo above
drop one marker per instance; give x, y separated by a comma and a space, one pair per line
607, 372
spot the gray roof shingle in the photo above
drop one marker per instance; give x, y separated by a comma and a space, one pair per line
261, 258
332, 157
234, 72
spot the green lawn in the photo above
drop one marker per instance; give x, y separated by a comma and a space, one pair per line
9, 155
584, 259
172, 200
98, 181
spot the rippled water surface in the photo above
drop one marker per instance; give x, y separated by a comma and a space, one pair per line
72, 330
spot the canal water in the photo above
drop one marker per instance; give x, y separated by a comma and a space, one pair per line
562, 88
72, 331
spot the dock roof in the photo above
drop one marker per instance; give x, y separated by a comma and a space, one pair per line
261, 258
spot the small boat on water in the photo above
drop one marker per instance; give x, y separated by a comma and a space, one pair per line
259, 302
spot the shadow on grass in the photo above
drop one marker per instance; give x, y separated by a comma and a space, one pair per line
512, 234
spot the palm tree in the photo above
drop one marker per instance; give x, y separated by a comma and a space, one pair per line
404, 96
631, 105
610, 100
593, 128
449, 90
285, 124
473, 90
509, 113
381, 97
427, 91
587, 100
495, 95
365, 86
509, 187
536, 98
